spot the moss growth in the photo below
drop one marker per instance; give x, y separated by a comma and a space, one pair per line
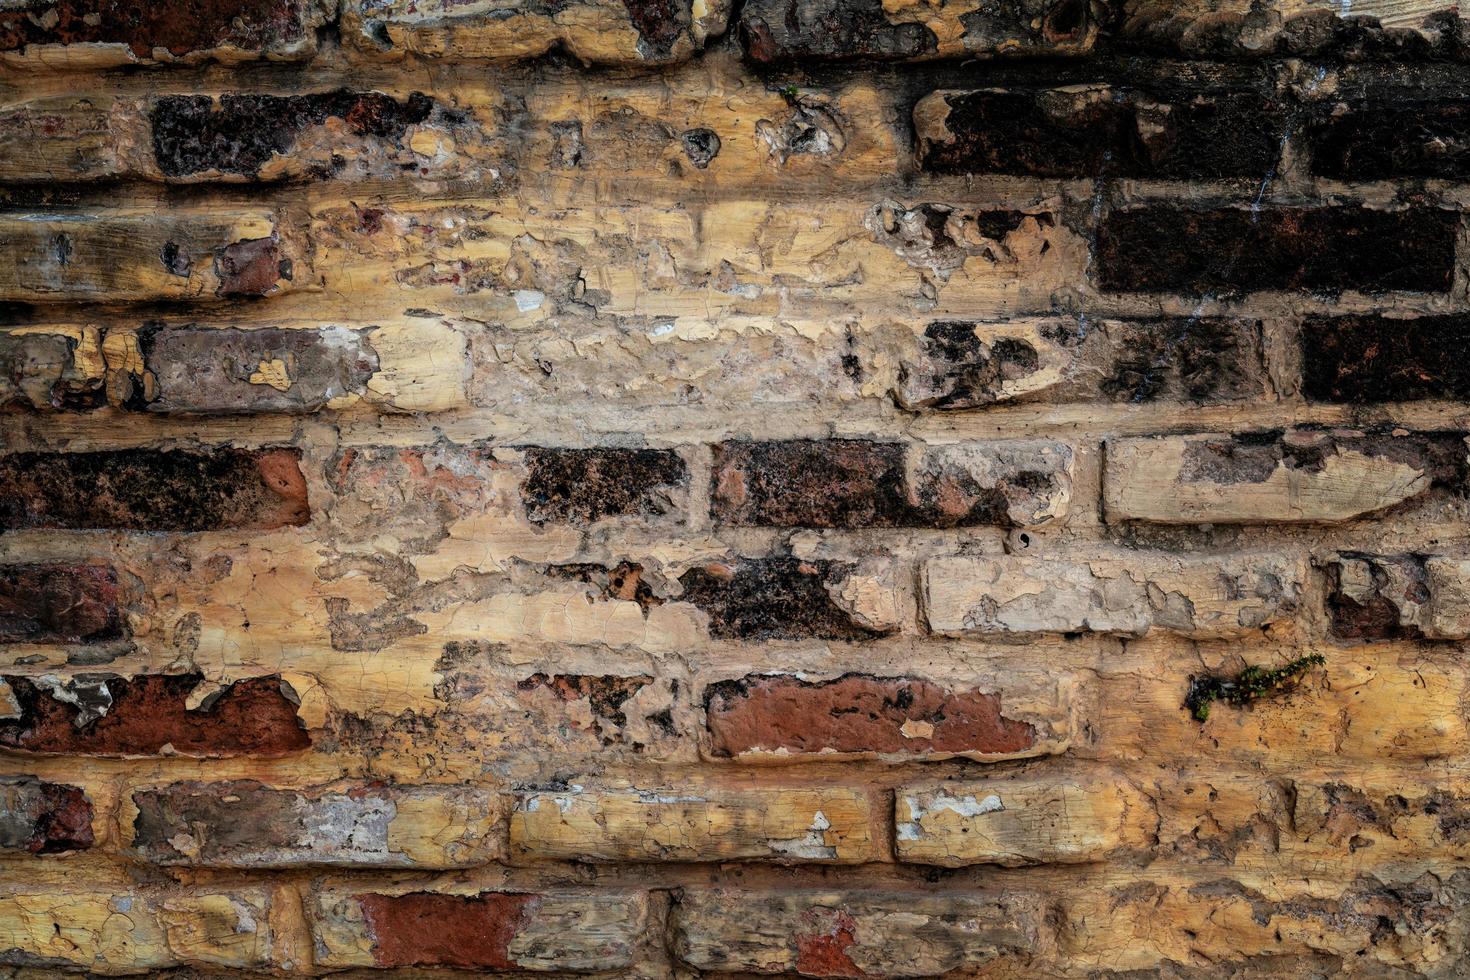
1250, 685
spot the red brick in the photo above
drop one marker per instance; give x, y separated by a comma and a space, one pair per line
154, 490
43, 818
148, 715
59, 604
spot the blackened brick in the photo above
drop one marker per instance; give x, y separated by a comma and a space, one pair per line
58, 604
582, 486
1385, 140
1364, 359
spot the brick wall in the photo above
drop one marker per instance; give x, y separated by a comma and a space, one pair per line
666, 489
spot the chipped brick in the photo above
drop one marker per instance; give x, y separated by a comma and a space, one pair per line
41, 817
59, 604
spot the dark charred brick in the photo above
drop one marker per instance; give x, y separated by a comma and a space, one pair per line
238, 134
1198, 359
425, 929
1389, 140
857, 713
43, 818
153, 490
582, 486
1251, 457
148, 715
59, 604
854, 483
960, 371
251, 268
1368, 359
772, 599
1170, 248
784, 30
209, 370
182, 28
1098, 132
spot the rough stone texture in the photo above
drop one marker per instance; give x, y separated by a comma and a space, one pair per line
1179, 249
1383, 597
1229, 596
1017, 823
850, 483
247, 824
154, 490
685, 824
149, 715
1298, 476
854, 934
38, 817
778, 717
492, 930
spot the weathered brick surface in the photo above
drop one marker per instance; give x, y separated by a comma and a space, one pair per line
1317, 476
854, 934
154, 490
648, 488
1221, 597
685, 824
355, 925
248, 824
150, 714
855, 483
40, 817
780, 717
1169, 248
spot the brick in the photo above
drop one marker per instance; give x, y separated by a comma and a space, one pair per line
1355, 360
583, 486
41, 817
1389, 597
1252, 28
961, 364
634, 32
208, 370
66, 33
1097, 130
853, 933
853, 483
126, 931
1166, 247
1128, 596
789, 718
1316, 476
355, 925
246, 824
70, 137
164, 256
105, 715
45, 368
831, 30
59, 604
1342, 818
782, 598
154, 490
1014, 823
1390, 140
829, 826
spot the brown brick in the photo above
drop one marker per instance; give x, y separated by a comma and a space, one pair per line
1169, 248
779, 598
963, 364
59, 604
355, 925
831, 30
248, 824
1390, 597
852, 934
851, 483
1096, 130
781, 717
123, 31
41, 817
618, 32
1366, 359
583, 486
149, 715
133, 256
154, 490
